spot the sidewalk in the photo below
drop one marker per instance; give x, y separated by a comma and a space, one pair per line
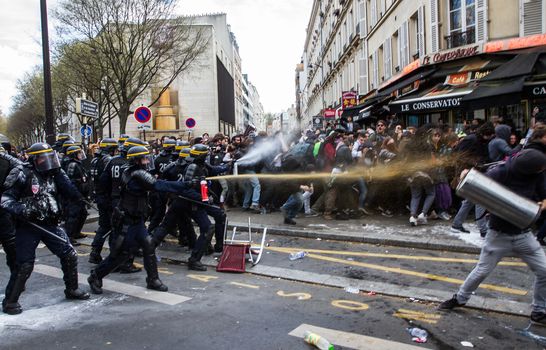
375, 229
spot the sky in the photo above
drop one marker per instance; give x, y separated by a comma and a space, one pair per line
270, 34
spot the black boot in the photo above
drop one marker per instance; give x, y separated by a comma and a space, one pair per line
16, 285
94, 256
150, 265
128, 266
69, 265
196, 265
95, 283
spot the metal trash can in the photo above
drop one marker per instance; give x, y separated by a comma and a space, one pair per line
498, 200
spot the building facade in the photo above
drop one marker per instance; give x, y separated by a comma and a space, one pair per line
209, 92
366, 45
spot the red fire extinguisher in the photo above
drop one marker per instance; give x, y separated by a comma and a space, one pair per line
204, 191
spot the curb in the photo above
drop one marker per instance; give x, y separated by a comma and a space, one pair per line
430, 243
415, 294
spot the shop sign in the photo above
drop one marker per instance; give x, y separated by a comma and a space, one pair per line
436, 104
349, 99
515, 43
409, 88
479, 75
329, 113
536, 90
451, 55
457, 79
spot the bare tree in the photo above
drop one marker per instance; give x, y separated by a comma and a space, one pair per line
132, 45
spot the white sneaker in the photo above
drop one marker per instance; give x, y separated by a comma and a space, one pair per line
445, 216
413, 221
422, 219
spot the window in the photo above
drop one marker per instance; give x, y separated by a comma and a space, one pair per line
462, 22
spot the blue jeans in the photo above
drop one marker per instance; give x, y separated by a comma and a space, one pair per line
363, 192
464, 210
416, 194
293, 205
252, 190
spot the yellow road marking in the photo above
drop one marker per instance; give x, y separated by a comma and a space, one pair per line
417, 315
418, 274
390, 256
202, 278
162, 270
300, 296
245, 285
350, 305
83, 254
88, 233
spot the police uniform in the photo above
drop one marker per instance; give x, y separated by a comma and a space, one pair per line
102, 197
7, 234
76, 212
197, 171
128, 221
177, 211
32, 196
158, 200
111, 181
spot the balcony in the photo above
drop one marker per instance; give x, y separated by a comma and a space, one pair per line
461, 38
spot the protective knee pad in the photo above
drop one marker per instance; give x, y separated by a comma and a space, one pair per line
25, 269
71, 258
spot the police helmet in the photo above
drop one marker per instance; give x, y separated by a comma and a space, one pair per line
199, 152
181, 144
75, 152
43, 157
168, 145
63, 137
122, 139
184, 152
67, 144
136, 153
131, 142
108, 145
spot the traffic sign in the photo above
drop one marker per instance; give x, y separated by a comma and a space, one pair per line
86, 131
143, 114
190, 123
87, 108
144, 127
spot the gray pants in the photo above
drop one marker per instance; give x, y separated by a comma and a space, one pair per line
498, 245
464, 210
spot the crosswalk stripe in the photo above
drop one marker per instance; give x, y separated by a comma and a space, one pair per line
119, 287
352, 340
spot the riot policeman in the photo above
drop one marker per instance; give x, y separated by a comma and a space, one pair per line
158, 200
180, 145
76, 213
107, 149
128, 220
60, 139
110, 180
197, 171
64, 157
176, 214
7, 234
121, 140
32, 196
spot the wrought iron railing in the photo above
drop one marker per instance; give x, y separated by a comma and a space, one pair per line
461, 38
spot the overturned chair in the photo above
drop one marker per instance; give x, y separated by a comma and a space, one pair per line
237, 251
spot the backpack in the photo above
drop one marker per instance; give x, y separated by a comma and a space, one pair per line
296, 157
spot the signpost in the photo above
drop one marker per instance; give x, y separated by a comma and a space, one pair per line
143, 116
86, 109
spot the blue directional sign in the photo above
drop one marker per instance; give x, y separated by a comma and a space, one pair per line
86, 131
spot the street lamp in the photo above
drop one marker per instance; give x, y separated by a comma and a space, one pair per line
48, 99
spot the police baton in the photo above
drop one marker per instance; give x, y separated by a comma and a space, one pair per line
200, 203
51, 234
90, 204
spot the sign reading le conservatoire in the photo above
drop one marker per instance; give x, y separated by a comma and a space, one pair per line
427, 105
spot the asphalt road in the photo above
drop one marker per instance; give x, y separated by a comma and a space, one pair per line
227, 311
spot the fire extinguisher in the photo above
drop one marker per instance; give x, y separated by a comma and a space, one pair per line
204, 191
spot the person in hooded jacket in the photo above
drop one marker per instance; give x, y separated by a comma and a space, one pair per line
499, 147
524, 174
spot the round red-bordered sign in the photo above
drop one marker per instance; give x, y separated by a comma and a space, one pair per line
143, 114
190, 123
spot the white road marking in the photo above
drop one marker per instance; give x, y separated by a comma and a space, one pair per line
119, 287
352, 340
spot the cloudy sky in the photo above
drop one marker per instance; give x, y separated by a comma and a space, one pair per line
270, 34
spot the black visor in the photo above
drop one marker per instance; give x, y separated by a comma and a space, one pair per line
46, 161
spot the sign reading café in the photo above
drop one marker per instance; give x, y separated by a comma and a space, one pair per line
450, 55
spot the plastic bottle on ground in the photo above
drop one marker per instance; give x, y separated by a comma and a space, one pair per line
298, 255
317, 341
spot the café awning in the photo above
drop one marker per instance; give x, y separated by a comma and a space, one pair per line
439, 98
494, 93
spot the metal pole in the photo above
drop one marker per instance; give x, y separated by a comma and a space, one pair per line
48, 102
322, 57
109, 122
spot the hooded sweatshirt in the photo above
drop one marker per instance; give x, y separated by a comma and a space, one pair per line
524, 175
498, 147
